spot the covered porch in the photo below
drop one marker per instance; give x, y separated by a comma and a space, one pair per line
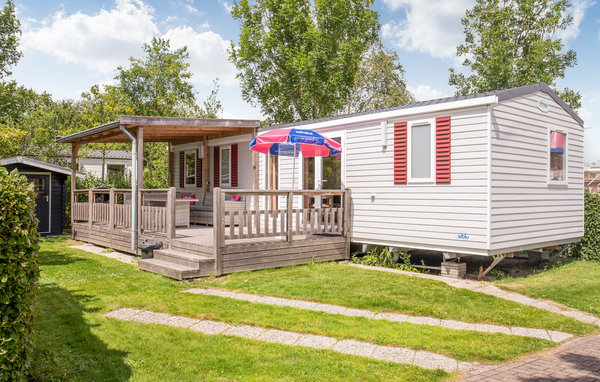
266, 231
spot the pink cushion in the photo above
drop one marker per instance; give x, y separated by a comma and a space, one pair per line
189, 196
236, 198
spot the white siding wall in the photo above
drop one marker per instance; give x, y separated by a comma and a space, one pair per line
93, 166
525, 210
244, 168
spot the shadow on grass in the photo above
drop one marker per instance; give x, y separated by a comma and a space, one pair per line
65, 348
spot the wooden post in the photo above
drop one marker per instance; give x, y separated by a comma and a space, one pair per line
140, 178
205, 165
90, 210
290, 209
347, 221
111, 212
74, 151
170, 166
171, 222
217, 225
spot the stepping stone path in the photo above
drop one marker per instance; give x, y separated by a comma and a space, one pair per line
492, 290
386, 353
550, 335
122, 257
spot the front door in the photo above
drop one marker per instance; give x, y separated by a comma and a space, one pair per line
331, 178
42, 200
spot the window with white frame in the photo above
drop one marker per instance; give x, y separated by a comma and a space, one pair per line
190, 168
225, 165
557, 157
421, 153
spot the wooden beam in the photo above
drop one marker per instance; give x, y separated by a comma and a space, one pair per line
74, 151
170, 165
171, 121
205, 164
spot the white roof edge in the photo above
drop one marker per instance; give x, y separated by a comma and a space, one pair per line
461, 104
39, 164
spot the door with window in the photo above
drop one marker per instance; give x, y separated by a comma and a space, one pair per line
331, 177
42, 200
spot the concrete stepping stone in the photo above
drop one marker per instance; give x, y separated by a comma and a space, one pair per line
347, 346
492, 290
394, 317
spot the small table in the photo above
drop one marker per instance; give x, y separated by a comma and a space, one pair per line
182, 212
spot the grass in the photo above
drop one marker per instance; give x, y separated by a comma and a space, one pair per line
76, 342
384, 292
576, 284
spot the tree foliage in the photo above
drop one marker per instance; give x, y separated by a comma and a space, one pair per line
159, 84
589, 246
511, 43
379, 82
18, 274
11, 141
297, 59
10, 31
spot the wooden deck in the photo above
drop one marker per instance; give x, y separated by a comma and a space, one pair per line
258, 239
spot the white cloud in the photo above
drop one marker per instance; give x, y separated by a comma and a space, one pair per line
577, 10
428, 28
105, 40
208, 54
228, 7
590, 114
426, 92
101, 42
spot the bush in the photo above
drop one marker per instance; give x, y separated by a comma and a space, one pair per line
382, 257
589, 246
18, 273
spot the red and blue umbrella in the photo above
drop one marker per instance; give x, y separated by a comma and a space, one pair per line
290, 142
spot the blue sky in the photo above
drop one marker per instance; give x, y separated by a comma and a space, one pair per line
71, 45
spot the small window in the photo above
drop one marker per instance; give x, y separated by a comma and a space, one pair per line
115, 171
190, 168
420, 149
558, 150
225, 170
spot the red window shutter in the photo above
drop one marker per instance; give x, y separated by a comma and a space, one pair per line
443, 148
198, 170
216, 164
234, 165
400, 152
181, 169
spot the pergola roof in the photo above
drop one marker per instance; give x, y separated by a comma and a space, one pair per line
163, 129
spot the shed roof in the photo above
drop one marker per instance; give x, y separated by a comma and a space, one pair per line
501, 95
162, 129
38, 164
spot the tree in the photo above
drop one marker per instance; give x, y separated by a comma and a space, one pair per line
159, 84
10, 30
297, 59
512, 43
379, 82
11, 141
103, 106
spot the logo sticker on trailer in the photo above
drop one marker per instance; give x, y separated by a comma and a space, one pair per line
463, 236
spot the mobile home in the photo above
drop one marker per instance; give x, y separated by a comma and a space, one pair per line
486, 174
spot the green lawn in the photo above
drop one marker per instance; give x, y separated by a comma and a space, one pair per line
379, 291
76, 342
576, 285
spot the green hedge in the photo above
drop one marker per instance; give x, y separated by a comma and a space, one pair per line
589, 246
18, 273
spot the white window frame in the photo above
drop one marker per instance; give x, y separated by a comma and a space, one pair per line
565, 158
221, 148
185, 168
410, 179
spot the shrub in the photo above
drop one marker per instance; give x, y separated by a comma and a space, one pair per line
589, 246
18, 273
382, 257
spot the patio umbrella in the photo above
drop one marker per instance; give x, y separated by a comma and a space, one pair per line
291, 142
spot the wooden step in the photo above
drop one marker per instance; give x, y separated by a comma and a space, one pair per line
183, 258
172, 270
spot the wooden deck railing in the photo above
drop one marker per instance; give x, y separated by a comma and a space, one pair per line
287, 223
112, 208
